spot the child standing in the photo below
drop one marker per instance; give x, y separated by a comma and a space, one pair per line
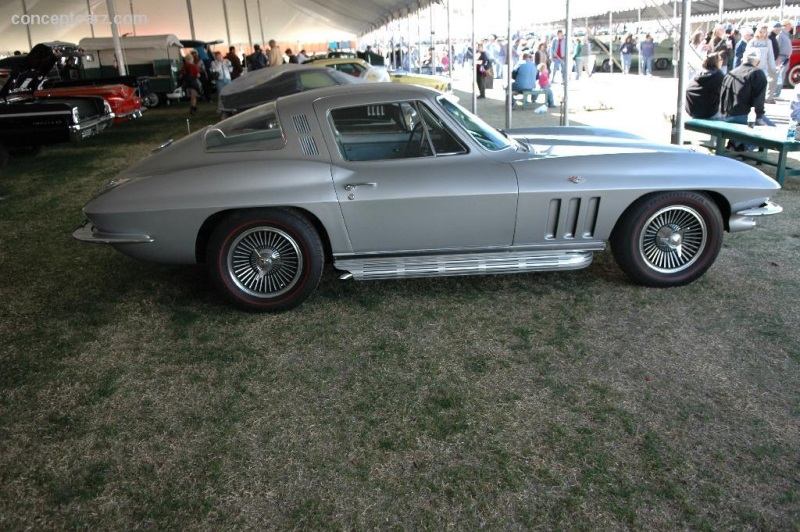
544, 84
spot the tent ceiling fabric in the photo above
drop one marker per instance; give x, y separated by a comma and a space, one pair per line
633, 10
306, 20
283, 20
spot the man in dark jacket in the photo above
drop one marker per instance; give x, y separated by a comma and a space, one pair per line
743, 88
703, 93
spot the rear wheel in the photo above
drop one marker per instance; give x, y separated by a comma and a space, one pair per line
661, 63
268, 259
668, 239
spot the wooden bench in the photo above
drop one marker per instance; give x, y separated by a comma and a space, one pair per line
527, 97
763, 137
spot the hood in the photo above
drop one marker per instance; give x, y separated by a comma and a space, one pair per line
30, 70
576, 141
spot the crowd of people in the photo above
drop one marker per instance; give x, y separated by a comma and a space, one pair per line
735, 73
202, 74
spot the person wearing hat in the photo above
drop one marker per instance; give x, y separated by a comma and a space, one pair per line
745, 88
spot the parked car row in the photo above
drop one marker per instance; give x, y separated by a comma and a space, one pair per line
662, 60
36, 110
268, 84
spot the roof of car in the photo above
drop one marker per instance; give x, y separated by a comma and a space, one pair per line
263, 75
340, 61
358, 91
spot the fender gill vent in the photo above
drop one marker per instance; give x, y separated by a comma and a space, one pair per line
301, 124
309, 145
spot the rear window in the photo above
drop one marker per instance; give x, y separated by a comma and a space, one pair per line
316, 80
253, 130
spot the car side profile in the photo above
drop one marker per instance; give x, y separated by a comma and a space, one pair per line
401, 182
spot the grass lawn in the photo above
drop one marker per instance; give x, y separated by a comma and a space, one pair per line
132, 396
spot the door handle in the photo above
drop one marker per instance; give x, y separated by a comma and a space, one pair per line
353, 186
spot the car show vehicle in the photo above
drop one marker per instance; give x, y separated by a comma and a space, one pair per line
30, 119
57, 68
402, 182
662, 60
268, 84
371, 73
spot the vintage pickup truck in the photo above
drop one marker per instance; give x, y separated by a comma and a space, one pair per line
32, 119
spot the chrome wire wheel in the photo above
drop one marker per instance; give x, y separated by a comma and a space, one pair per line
265, 262
672, 239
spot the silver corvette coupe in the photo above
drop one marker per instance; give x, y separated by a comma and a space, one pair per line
388, 182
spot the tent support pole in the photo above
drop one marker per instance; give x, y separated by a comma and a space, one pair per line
474, 62
191, 17
91, 16
567, 64
679, 115
112, 15
247, 21
509, 99
227, 24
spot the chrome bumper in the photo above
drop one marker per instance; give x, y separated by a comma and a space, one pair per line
86, 232
746, 219
90, 128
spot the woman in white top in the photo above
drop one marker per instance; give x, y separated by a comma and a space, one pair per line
698, 50
763, 45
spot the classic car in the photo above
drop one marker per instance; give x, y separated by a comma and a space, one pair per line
267, 84
402, 182
372, 73
661, 61
27, 120
59, 67
120, 93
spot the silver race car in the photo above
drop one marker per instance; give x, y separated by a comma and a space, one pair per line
400, 181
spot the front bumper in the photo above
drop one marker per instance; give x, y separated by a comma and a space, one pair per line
87, 232
746, 219
90, 128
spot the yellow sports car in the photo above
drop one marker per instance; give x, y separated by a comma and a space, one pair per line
361, 69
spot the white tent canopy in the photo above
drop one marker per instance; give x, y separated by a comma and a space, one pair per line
287, 22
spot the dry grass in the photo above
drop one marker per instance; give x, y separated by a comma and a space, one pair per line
132, 397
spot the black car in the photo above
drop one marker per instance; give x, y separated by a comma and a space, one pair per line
29, 121
268, 84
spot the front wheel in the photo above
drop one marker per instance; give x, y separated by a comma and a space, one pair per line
151, 100
265, 260
793, 78
662, 63
668, 239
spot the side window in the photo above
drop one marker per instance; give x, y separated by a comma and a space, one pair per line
404, 130
349, 68
256, 129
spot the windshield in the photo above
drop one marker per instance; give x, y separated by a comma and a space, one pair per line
486, 135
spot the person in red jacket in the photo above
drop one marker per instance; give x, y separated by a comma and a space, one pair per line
189, 77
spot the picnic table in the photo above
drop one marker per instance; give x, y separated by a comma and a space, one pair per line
763, 137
